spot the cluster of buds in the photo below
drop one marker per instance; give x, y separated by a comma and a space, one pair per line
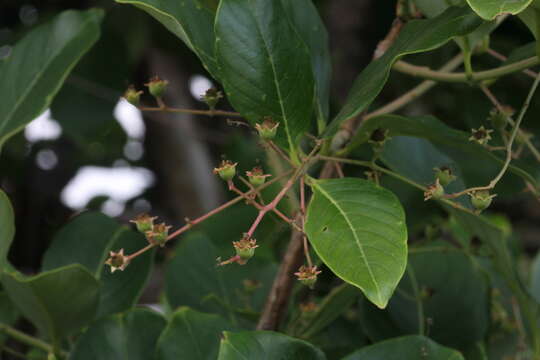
307, 275
268, 128
256, 176
481, 199
155, 234
226, 170
434, 191
212, 97
117, 260
481, 135
156, 87
444, 175
245, 249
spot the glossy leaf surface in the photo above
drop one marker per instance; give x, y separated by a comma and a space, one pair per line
258, 345
57, 302
29, 83
358, 229
265, 66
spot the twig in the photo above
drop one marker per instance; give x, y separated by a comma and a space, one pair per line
508, 159
303, 220
501, 57
213, 212
28, 340
427, 73
499, 107
416, 92
272, 205
190, 111
278, 297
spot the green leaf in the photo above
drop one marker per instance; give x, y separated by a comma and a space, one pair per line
417, 36
192, 335
7, 228
87, 240
334, 305
256, 345
57, 302
193, 279
307, 22
191, 20
406, 347
127, 336
535, 278
490, 9
265, 66
353, 221
438, 295
39, 64
445, 146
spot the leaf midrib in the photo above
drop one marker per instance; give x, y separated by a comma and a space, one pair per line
90, 18
276, 84
355, 235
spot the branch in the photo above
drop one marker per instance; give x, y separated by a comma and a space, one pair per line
278, 297
165, 108
427, 73
416, 92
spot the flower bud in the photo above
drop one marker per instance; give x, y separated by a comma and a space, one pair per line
267, 129
379, 137
144, 222
132, 96
117, 260
434, 191
211, 97
499, 118
444, 174
245, 249
157, 87
307, 275
481, 135
481, 199
158, 235
227, 170
256, 176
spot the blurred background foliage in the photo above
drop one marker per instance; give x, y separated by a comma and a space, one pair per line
93, 151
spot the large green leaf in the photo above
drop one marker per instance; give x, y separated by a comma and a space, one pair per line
127, 336
193, 279
257, 345
191, 20
490, 9
358, 229
39, 64
417, 36
265, 66
306, 20
440, 285
407, 347
192, 335
87, 240
443, 146
7, 228
57, 302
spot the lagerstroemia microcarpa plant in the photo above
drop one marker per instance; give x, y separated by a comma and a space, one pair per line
347, 284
